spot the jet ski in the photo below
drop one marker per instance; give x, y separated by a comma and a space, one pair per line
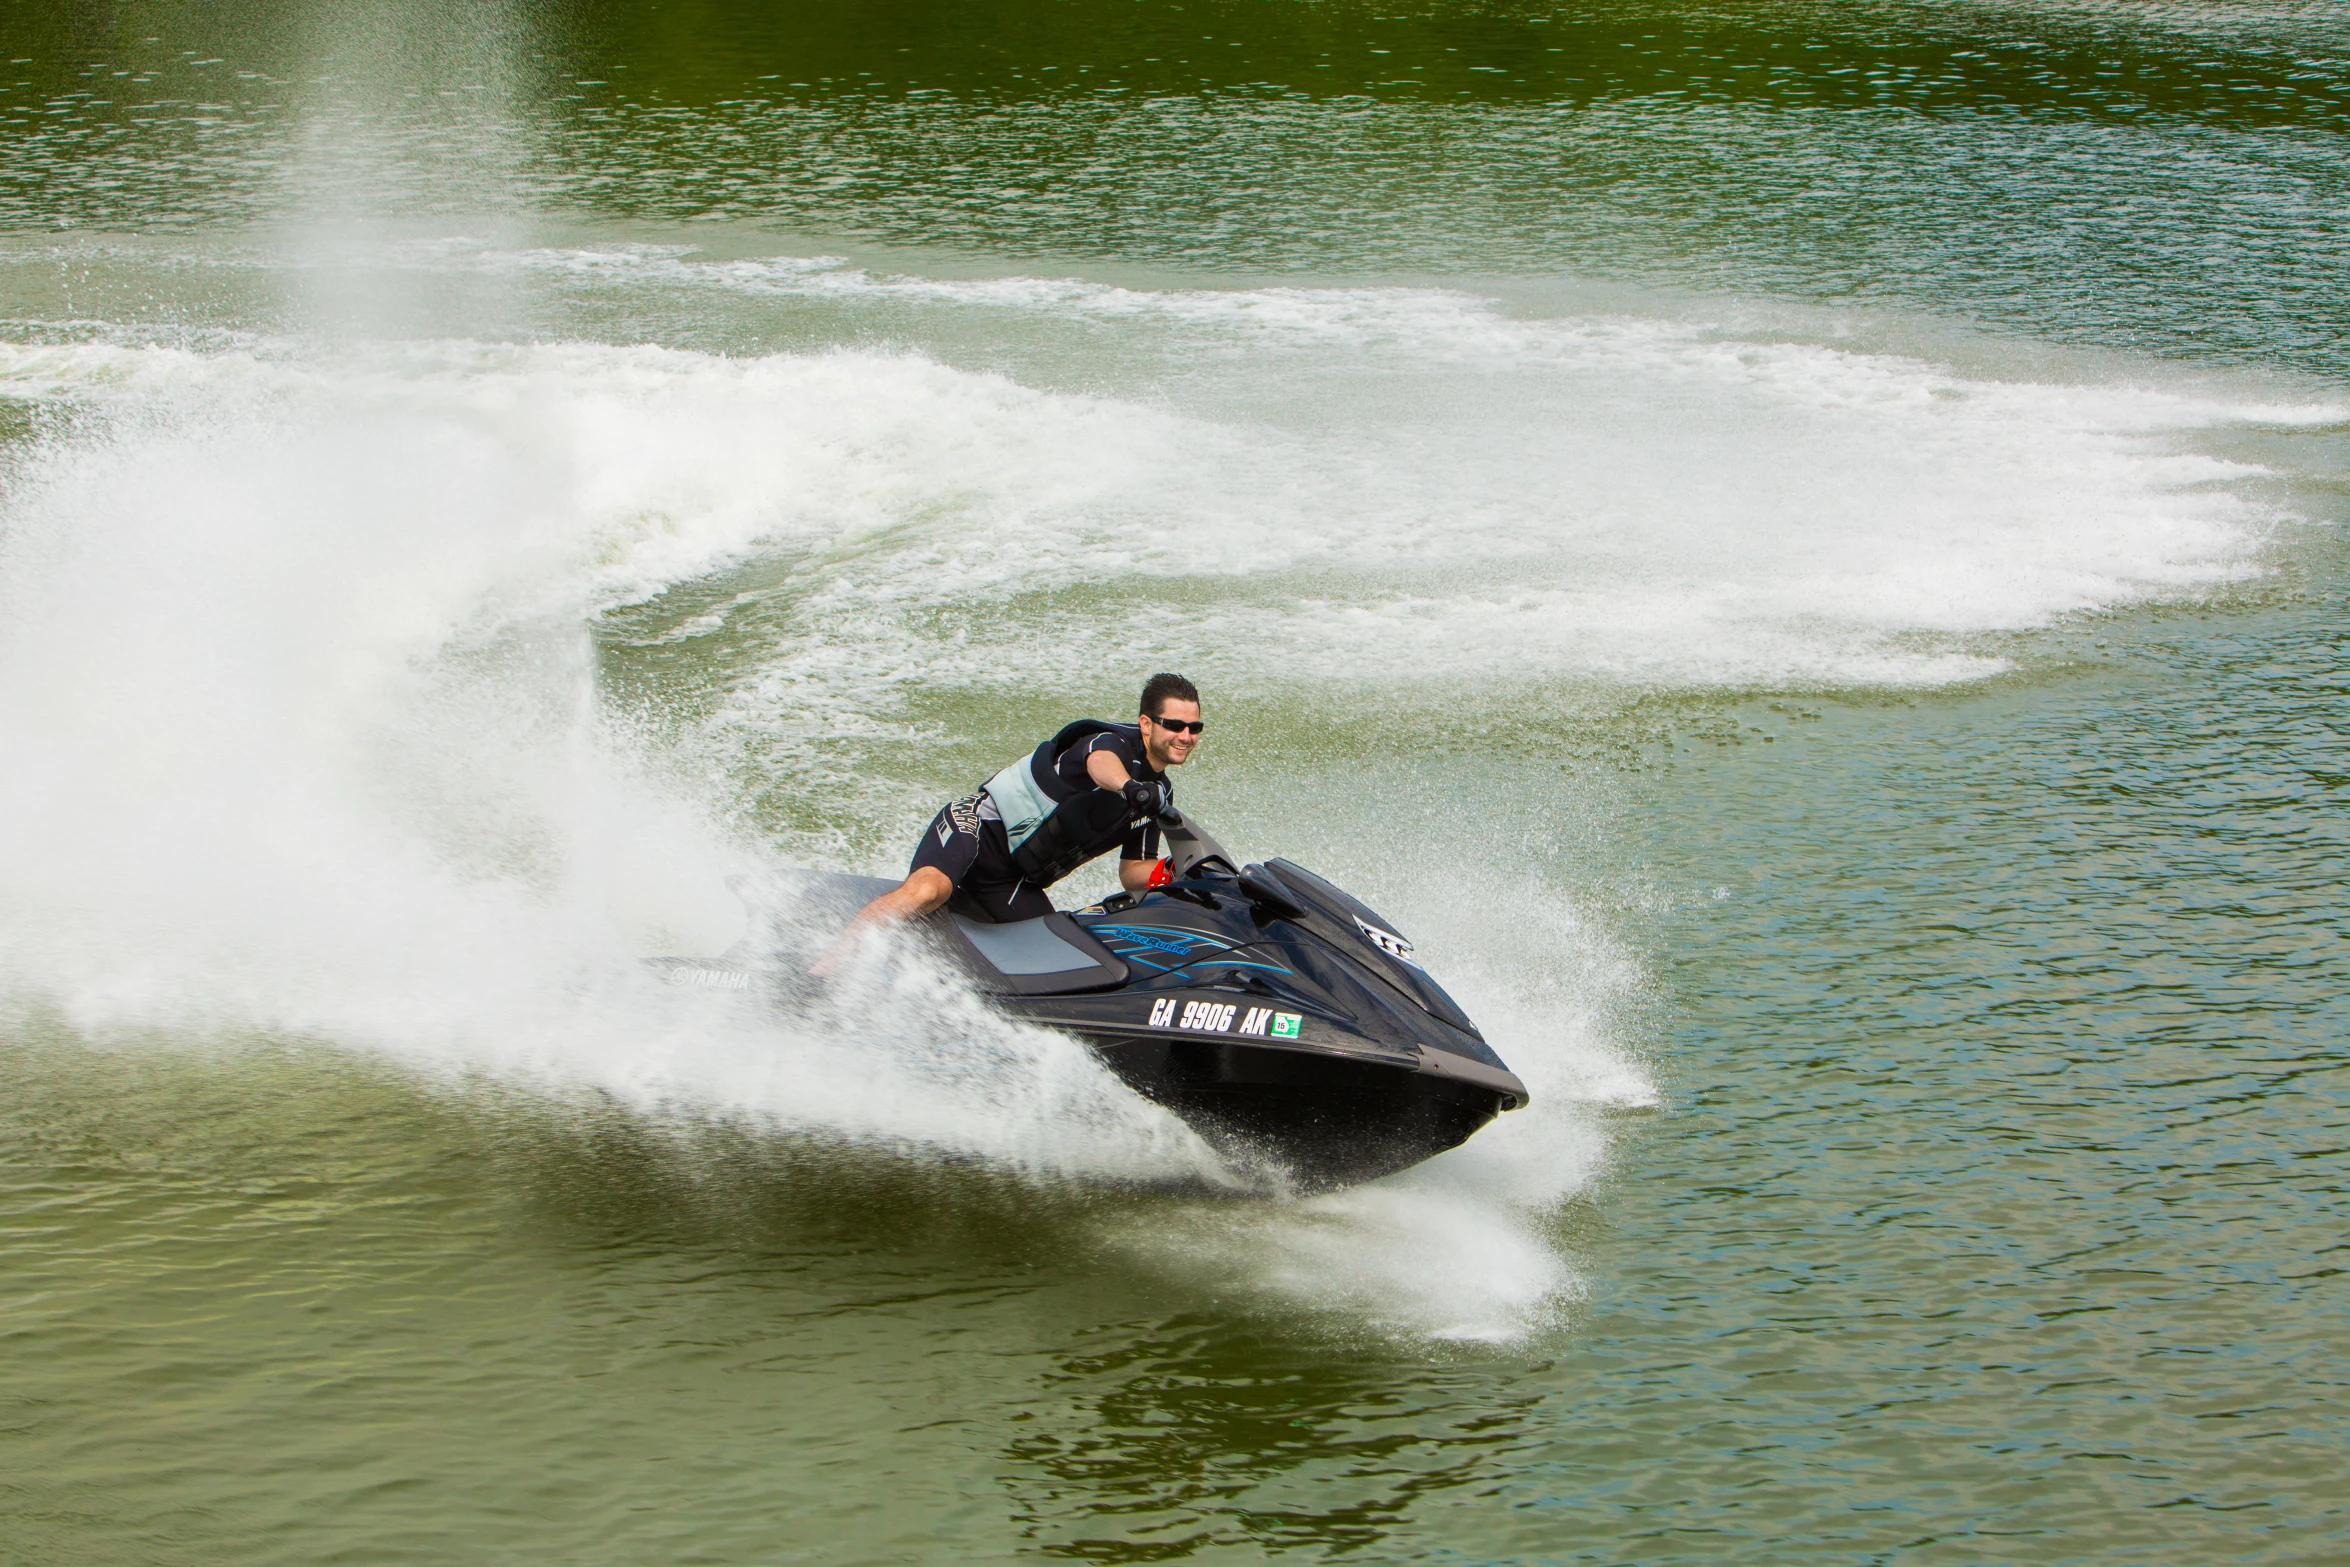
1283, 1020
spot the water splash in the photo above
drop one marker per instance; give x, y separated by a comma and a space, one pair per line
304, 674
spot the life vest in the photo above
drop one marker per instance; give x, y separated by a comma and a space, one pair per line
1052, 827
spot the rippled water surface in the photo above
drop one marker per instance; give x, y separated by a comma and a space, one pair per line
1793, 549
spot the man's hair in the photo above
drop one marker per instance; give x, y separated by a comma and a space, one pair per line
1163, 686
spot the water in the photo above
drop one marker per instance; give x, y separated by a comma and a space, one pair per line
1794, 550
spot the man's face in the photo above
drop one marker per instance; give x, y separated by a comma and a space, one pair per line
1170, 747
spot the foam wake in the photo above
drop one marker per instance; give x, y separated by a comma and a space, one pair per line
306, 665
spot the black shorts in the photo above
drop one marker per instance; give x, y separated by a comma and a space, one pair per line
975, 855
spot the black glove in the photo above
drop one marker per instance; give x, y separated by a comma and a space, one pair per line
1149, 801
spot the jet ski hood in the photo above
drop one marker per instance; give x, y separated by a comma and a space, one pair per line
1337, 915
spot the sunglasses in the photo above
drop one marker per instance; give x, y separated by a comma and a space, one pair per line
1180, 726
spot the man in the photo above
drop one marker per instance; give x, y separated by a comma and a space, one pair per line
1092, 787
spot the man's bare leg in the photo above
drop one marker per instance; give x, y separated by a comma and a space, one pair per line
925, 889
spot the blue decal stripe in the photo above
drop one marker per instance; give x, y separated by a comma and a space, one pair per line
1155, 935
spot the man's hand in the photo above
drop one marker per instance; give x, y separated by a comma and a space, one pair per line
1148, 800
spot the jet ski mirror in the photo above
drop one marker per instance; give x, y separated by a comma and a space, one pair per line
1190, 848
1265, 892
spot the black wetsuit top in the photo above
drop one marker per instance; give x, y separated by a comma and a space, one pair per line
1125, 743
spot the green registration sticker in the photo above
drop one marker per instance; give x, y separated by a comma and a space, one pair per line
1285, 1025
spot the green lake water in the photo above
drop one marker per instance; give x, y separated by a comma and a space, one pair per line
1794, 549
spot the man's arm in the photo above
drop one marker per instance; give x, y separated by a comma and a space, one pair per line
1107, 772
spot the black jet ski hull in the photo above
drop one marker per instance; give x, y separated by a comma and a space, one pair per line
1280, 1049
1326, 1121
1287, 1023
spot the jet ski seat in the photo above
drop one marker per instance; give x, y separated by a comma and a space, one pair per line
1051, 956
